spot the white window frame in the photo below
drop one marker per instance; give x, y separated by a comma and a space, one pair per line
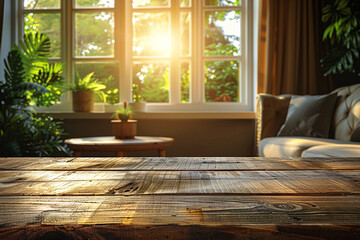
123, 56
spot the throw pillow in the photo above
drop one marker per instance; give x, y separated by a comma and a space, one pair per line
309, 116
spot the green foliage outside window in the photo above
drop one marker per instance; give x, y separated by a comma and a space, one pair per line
221, 81
137, 93
46, 23
153, 81
221, 77
222, 2
41, 4
94, 34
185, 82
111, 92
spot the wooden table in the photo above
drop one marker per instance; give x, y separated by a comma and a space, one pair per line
120, 146
179, 198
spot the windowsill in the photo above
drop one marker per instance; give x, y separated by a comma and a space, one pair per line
157, 115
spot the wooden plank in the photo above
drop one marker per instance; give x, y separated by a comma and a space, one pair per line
301, 182
179, 198
182, 210
178, 164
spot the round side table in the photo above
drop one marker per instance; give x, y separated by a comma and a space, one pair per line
120, 146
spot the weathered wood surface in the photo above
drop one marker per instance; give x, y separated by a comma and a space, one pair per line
179, 198
178, 164
181, 210
315, 182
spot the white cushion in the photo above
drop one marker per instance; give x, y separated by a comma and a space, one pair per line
291, 146
333, 150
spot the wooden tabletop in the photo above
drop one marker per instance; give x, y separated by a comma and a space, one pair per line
179, 198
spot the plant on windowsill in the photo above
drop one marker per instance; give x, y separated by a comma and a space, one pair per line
138, 104
84, 90
123, 126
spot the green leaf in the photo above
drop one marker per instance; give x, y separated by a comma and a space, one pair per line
341, 4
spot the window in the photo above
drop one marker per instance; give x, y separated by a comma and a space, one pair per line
177, 55
45, 17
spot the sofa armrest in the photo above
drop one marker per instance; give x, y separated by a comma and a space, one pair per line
270, 114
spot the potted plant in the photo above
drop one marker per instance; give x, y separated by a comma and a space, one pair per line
341, 20
123, 126
30, 79
137, 104
84, 92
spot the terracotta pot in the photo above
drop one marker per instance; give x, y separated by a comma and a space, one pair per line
83, 101
124, 129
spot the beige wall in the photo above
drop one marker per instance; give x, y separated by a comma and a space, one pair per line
193, 137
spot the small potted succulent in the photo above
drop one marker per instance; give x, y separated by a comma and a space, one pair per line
123, 126
84, 92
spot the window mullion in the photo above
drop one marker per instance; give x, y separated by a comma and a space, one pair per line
20, 22
197, 90
175, 53
243, 74
127, 63
67, 55
120, 49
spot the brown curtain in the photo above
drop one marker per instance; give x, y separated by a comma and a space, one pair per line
290, 47
1, 19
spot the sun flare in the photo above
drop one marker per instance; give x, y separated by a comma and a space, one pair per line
159, 43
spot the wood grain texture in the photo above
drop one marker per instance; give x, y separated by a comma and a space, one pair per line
179, 198
198, 210
309, 182
178, 164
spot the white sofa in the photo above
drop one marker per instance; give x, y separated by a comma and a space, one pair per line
344, 138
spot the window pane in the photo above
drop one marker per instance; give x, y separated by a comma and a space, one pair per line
222, 2
47, 23
185, 81
94, 34
221, 81
94, 3
185, 3
150, 3
41, 4
222, 33
107, 74
152, 80
185, 33
151, 35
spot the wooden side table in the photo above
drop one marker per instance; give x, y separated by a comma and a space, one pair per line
120, 146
